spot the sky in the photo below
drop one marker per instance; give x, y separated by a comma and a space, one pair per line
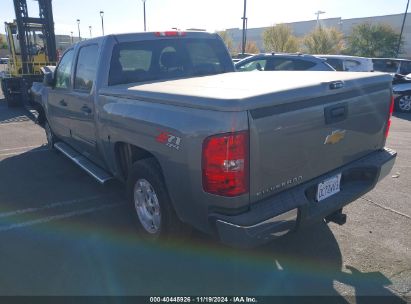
121, 16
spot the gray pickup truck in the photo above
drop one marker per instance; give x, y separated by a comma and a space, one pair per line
246, 157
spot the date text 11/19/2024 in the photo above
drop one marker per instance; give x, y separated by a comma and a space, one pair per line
240, 299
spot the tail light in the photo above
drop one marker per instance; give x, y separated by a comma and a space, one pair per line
169, 34
225, 164
387, 129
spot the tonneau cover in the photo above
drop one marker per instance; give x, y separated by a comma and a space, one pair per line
239, 91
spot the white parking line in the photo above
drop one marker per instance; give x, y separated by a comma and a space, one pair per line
24, 151
3, 123
58, 217
385, 208
49, 206
19, 148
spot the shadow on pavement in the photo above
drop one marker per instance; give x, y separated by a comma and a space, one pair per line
405, 116
17, 114
99, 253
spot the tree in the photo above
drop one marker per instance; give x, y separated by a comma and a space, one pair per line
324, 41
373, 40
280, 38
251, 47
3, 43
227, 41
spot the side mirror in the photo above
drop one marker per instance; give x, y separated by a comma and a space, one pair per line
48, 79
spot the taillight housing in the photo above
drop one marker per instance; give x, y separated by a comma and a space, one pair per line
170, 34
391, 110
225, 164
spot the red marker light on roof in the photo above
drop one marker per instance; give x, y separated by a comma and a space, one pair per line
170, 34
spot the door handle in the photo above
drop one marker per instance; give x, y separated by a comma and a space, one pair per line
336, 113
86, 110
63, 103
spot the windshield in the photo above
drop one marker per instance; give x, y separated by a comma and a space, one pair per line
167, 58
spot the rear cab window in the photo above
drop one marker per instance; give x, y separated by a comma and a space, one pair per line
152, 60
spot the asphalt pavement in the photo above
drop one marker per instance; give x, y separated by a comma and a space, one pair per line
61, 233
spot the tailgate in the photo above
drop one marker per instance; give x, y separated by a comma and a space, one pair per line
294, 142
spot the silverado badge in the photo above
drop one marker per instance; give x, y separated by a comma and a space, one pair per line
335, 137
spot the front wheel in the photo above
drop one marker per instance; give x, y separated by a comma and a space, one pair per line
403, 104
151, 206
51, 138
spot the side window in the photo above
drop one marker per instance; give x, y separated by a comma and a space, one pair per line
291, 64
405, 67
351, 64
86, 68
63, 71
336, 64
302, 65
257, 65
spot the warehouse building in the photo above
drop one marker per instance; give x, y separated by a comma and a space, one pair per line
302, 28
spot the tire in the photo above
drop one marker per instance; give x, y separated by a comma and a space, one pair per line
12, 100
403, 104
150, 204
51, 138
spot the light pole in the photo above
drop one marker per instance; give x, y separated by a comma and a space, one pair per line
402, 28
78, 27
89, 27
72, 38
318, 13
244, 42
102, 21
144, 10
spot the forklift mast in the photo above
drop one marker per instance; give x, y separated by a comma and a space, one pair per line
32, 45
26, 24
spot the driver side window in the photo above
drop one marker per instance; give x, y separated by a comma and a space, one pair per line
63, 71
257, 65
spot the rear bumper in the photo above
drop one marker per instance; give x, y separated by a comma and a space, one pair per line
294, 208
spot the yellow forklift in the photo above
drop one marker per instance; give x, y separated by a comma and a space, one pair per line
32, 45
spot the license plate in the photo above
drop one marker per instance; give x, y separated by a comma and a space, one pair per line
328, 187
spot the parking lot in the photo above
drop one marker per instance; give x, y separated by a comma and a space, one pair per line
64, 234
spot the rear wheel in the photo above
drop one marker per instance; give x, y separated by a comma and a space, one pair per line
403, 104
151, 206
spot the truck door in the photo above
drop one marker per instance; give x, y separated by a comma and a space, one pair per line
83, 128
58, 97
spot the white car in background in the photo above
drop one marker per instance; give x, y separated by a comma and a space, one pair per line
349, 63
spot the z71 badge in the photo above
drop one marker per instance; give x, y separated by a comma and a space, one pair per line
169, 140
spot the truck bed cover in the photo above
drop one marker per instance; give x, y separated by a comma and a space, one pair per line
246, 91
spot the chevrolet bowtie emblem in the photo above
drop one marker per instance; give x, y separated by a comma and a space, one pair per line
334, 137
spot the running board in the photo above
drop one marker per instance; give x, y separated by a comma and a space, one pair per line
98, 173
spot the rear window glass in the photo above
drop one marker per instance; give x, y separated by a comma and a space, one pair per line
167, 58
131, 60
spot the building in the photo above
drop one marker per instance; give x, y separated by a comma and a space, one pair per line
344, 25
64, 41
